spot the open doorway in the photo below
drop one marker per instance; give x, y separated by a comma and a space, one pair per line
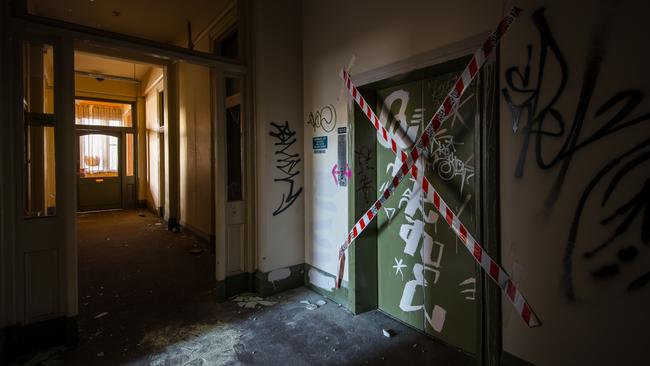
134, 275
119, 124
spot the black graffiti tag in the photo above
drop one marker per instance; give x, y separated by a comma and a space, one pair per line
286, 163
325, 118
365, 172
543, 124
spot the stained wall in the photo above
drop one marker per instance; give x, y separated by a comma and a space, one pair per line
577, 251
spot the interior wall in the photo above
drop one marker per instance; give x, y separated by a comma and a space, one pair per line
195, 121
107, 89
555, 206
366, 36
152, 142
583, 302
279, 132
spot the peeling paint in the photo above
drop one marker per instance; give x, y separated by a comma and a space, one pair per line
321, 280
279, 274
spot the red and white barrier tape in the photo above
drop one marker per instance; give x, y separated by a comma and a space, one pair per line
490, 266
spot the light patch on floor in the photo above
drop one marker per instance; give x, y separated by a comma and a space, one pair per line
197, 344
250, 301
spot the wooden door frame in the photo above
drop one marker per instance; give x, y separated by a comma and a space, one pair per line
489, 345
122, 132
119, 135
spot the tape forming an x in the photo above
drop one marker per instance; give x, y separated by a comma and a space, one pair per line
451, 101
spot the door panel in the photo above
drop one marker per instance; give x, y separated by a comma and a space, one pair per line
425, 277
100, 175
43, 144
129, 171
235, 167
450, 298
400, 223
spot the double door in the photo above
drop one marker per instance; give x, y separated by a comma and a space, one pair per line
426, 278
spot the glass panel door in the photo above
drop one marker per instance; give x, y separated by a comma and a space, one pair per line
100, 178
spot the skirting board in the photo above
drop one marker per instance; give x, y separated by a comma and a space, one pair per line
264, 283
278, 280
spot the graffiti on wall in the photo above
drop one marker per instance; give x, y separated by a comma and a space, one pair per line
323, 119
417, 264
544, 127
365, 173
286, 164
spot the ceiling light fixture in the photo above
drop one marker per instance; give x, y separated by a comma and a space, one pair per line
101, 77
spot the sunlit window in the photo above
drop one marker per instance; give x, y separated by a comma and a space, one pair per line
99, 113
98, 156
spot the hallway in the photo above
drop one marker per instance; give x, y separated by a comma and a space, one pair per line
146, 298
291, 182
143, 276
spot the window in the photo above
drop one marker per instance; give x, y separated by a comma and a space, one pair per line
234, 143
98, 156
161, 108
130, 159
95, 113
39, 130
228, 46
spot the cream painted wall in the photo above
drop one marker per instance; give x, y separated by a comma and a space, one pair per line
375, 34
195, 122
277, 89
107, 89
603, 325
153, 148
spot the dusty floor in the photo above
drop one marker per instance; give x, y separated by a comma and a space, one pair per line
145, 299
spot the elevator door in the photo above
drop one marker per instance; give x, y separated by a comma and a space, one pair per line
425, 276
100, 173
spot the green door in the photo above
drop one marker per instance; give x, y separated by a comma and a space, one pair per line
100, 173
426, 277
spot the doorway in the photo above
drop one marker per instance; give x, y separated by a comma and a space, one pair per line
105, 154
424, 275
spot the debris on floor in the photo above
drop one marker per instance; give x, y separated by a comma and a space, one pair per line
101, 315
48, 356
250, 301
312, 306
387, 333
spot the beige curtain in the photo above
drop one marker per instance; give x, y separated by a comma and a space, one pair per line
103, 115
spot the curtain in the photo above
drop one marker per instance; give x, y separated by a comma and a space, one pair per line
103, 115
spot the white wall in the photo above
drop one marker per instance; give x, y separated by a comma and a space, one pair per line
153, 147
277, 88
195, 121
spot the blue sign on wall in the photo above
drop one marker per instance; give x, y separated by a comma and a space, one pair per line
320, 144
